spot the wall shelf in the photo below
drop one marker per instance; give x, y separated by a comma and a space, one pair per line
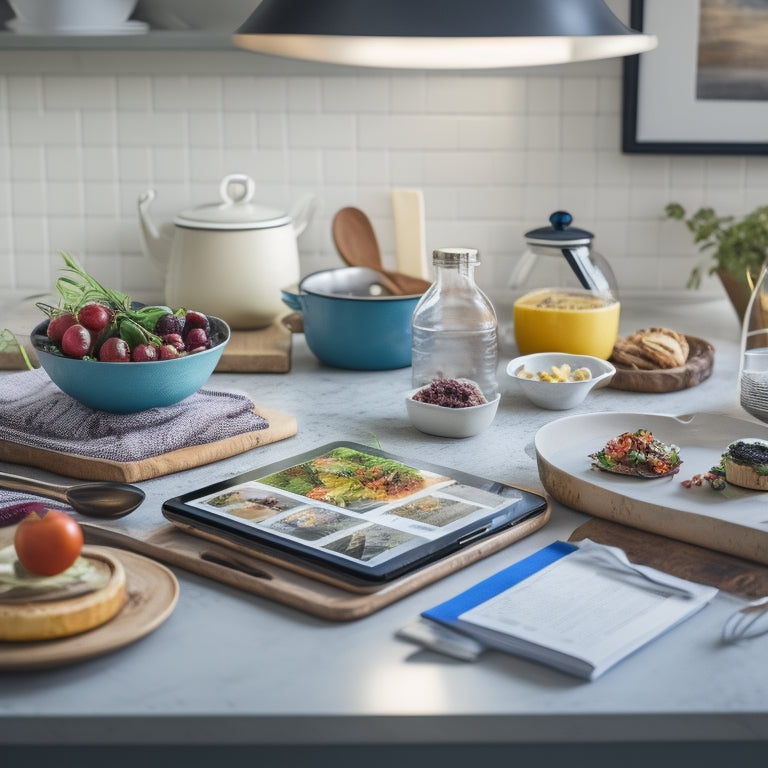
153, 40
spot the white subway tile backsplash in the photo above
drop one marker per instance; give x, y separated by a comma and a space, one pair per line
28, 236
409, 94
204, 129
98, 129
29, 198
133, 94
142, 129
470, 94
43, 129
101, 199
355, 94
27, 163
485, 132
579, 132
544, 95
25, 94
90, 93
66, 233
134, 163
424, 133
64, 198
579, 96
63, 164
321, 130
495, 154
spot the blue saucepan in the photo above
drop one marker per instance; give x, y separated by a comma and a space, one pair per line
352, 321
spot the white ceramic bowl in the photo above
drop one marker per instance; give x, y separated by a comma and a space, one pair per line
561, 395
450, 422
57, 15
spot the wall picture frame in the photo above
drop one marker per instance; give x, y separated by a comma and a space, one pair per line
704, 90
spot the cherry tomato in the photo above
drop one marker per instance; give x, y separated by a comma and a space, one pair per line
58, 325
48, 544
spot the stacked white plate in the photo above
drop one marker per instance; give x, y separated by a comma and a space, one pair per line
74, 17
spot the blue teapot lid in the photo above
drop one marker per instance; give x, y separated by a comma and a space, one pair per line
560, 233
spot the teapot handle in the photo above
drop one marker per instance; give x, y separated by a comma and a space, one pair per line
241, 179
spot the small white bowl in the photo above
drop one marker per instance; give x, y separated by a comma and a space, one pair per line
450, 422
561, 395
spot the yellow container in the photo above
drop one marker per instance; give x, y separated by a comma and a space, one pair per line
579, 323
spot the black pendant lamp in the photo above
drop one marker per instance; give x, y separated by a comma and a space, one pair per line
440, 34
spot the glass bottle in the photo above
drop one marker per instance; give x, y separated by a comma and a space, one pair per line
455, 330
753, 374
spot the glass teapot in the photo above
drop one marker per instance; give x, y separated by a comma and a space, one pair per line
565, 293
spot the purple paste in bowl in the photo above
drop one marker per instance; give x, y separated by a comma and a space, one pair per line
451, 393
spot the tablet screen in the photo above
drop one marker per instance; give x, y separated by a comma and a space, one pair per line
357, 508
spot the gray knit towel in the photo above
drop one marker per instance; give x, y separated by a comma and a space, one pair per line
36, 413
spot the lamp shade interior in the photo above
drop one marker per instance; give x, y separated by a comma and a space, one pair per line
439, 34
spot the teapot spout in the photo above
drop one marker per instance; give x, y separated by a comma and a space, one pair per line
156, 243
302, 213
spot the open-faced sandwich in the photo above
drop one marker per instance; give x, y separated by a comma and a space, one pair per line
639, 454
745, 463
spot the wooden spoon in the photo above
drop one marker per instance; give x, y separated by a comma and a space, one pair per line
356, 242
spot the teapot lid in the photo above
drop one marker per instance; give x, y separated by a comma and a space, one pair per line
560, 233
235, 211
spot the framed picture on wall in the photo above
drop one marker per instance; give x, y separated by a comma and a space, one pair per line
704, 90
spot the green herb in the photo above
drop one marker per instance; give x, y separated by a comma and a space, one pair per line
76, 288
9, 343
738, 248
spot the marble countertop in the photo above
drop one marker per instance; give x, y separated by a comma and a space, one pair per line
232, 667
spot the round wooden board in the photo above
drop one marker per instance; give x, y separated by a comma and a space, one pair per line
697, 368
51, 619
152, 595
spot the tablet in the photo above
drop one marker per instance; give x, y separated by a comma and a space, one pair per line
354, 511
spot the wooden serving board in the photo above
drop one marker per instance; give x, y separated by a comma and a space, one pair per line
687, 561
698, 368
733, 521
264, 575
281, 426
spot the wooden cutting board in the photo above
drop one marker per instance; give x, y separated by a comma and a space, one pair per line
267, 350
281, 426
687, 561
261, 574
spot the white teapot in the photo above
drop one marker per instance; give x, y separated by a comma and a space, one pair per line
229, 259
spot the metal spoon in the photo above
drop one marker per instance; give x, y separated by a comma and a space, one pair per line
99, 499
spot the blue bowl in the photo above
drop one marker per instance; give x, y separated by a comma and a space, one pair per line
351, 321
130, 387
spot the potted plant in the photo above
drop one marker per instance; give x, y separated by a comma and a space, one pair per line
736, 250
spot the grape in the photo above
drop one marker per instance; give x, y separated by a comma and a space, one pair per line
115, 350
167, 352
197, 337
58, 325
175, 340
76, 341
169, 324
95, 317
144, 353
196, 320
